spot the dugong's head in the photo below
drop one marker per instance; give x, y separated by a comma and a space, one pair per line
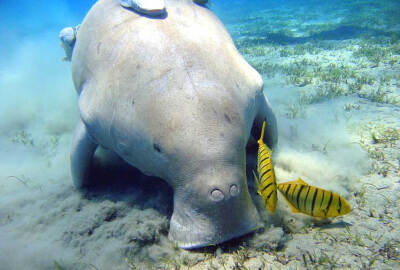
173, 97
194, 135
200, 149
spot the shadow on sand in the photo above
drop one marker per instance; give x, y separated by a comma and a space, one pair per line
115, 180
342, 32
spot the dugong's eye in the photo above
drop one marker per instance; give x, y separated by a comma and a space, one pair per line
157, 147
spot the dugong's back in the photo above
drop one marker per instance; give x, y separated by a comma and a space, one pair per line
115, 40
184, 64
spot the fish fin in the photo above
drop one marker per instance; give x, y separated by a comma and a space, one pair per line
301, 181
293, 182
271, 208
294, 209
256, 180
271, 204
260, 141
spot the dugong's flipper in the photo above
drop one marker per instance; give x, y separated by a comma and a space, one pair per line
83, 148
68, 38
147, 7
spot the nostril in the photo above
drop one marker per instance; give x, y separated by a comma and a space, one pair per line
217, 195
234, 190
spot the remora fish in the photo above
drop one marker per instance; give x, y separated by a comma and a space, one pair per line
265, 179
313, 201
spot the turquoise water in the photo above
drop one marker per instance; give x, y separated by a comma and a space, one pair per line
331, 71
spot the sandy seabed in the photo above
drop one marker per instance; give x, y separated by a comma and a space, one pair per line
333, 81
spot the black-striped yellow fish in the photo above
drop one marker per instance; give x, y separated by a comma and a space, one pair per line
265, 180
313, 201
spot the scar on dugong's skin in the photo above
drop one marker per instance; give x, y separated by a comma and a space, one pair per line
173, 97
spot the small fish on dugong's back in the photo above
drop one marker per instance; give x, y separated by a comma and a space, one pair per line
172, 97
68, 38
148, 7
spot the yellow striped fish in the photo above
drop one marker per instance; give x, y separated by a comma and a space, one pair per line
313, 201
265, 179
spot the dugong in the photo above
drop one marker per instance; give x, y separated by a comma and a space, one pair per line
172, 97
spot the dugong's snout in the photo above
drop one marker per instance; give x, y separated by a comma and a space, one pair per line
212, 210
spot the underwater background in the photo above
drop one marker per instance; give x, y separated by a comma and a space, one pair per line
331, 71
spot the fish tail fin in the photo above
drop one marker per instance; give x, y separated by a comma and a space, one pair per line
271, 208
262, 133
271, 204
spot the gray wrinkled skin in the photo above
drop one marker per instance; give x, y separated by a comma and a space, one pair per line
174, 98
